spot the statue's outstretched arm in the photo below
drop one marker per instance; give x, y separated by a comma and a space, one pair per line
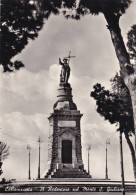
60, 62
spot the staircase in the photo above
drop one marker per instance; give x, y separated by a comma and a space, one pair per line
67, 173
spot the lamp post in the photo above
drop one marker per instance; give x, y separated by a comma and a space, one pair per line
39, 141
89, 148
121, 162
106, 170
29, 148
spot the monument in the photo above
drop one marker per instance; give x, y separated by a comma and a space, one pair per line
64, 144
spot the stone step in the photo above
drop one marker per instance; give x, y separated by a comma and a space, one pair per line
67, 172
70, 170
70, 173
70, 176
67, 175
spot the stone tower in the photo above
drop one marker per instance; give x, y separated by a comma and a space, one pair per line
64, 146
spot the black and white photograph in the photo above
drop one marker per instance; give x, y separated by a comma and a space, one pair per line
68, 97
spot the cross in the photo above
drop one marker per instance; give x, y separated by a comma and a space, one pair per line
69, 56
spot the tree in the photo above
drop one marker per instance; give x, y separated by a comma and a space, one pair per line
21, 21
116, 107
4, 153
132, 43
19, 25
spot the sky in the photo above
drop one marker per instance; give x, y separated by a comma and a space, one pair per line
28, 95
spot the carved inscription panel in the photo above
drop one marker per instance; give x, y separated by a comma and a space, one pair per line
66, 123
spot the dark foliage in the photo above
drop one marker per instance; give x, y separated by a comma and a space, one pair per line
46, 7
19, 23
132, 42
95, 7
4, 153
115, 105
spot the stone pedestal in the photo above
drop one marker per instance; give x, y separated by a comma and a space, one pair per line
64, 149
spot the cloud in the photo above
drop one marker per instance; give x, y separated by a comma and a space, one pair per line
54, 72
26, 91
96, 134
17, 131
